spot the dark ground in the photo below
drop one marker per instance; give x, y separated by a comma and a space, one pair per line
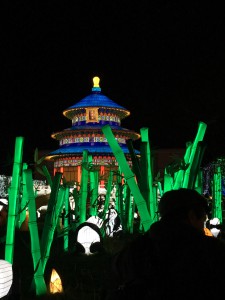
83, 277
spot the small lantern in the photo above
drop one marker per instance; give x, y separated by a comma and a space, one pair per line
55, 285
6, 277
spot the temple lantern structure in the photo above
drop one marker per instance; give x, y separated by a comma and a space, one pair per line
88, 116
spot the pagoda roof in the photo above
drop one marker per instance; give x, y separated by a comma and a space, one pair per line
77, 149
98, 127
95, 99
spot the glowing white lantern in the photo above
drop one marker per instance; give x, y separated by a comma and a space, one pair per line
86, 237
6, 277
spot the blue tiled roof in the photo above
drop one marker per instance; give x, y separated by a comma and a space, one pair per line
77, 149
96, 99
97, 126
78, 128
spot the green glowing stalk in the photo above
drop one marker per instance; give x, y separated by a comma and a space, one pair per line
129, 176
196, 164
168, 182
143, 182
94, 177
66, 219
76, 197
147, 166
199, 137
39, 281
47, 175
217, 194
84, 188
51, 219
179, 176
135, 162
13, 198
119, 194
129, 210
108, 194
93, 189
118, 189
155, 192
24, 200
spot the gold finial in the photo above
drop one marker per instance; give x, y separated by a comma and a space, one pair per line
96, 81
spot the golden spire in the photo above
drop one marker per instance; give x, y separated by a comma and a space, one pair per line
96, 81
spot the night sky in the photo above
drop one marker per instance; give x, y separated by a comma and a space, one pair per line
162, 60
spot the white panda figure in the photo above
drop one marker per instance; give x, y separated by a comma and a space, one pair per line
213, 226
112, 222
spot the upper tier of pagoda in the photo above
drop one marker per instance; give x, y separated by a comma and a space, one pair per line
88, 116
97, 101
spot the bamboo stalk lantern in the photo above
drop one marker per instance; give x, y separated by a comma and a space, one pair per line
129, 176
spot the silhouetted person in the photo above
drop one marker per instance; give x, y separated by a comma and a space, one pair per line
174, 259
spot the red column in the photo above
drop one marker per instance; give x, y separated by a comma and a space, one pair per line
79, 174
102, 172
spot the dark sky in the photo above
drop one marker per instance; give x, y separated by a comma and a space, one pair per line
162, 60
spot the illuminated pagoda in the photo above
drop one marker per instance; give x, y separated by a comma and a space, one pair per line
88, 116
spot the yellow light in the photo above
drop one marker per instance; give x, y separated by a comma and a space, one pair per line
96, 81
55, 285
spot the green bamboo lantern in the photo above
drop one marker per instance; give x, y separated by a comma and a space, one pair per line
135, 161
24, 200
168, 181
84, 188
155, 204
199, 137
66, 219
217, 194
143, 182
119, 203
150, 195
39, 281
94, 178
51, 218
13, 198
129, 176
108, 194
76, 197
196, 164
47, 175
118, 190
129, 210
179, 176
